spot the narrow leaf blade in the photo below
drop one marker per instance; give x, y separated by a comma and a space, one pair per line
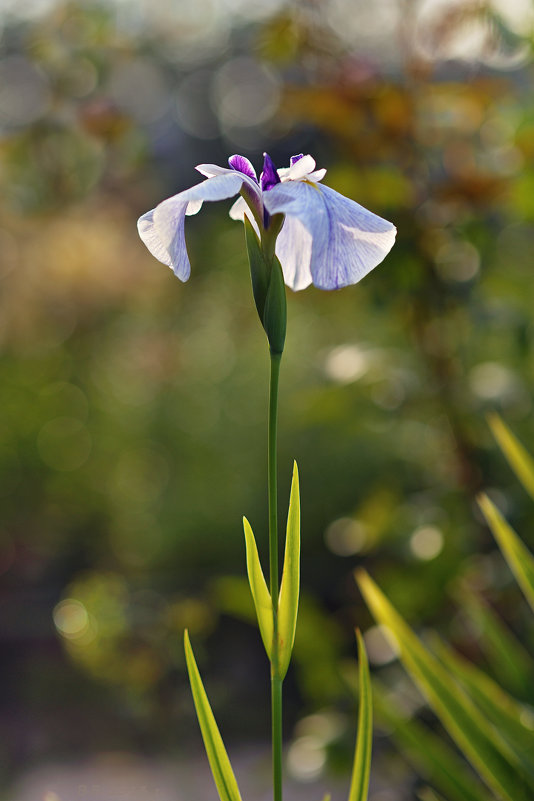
221, 769
260, 594
519, 558
434, 759
290, 587
517, 456
359, 786
480, 742
507, 714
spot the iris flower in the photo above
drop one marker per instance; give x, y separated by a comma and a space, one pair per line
326, 239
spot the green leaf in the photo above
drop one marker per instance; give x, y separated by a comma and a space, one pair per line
260, 594
433, 758
359, 785
259, 268
481, 743
519, 558
221, 769
506, 713
275, 309
290, 587
519, 459
510, 662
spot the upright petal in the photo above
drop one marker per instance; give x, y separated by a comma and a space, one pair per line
162, 229
269, 176
348, 241
242, 164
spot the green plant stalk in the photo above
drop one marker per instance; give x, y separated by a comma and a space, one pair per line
276, 680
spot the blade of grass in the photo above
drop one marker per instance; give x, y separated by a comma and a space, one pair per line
510, 662
480, 742
221, 769
507, 714
429, 753
517, 456
519, 558
289, 589
359, 785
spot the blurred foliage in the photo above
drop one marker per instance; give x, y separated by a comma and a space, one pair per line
133, 425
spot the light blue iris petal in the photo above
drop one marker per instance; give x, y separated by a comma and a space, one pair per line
348, 241
294, 249
162, 229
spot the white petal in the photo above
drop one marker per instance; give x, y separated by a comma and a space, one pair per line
348, 240
213, 170
209, 170
238, 211
294, 248
162, 230
317, 175
301, 168
193, 207
150, 237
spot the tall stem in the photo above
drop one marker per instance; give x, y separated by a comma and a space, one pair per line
276, 681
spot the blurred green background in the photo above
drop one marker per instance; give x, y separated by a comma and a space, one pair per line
132, 427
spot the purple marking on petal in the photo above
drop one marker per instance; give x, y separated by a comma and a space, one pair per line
294, 159
242, 164
269, 176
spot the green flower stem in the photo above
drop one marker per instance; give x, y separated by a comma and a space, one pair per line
276, 680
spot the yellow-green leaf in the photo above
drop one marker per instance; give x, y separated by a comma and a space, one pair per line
260, 594
221, 769
433, 758
359, 785
289, 589
509, 716
519, 558
481, 743
519, 459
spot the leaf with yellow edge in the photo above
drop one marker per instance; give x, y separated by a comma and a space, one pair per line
260, 593
518, 556
221, 769
518, 457
480, 742
289, 589
359, 785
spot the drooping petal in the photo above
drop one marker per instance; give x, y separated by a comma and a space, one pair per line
162, 229
150, 237
294, 250
348, 241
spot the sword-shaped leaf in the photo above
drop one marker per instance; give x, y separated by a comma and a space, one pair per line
221, 769
519, 558
359, 785
260, 594
481, 743
289, 589
519, 459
